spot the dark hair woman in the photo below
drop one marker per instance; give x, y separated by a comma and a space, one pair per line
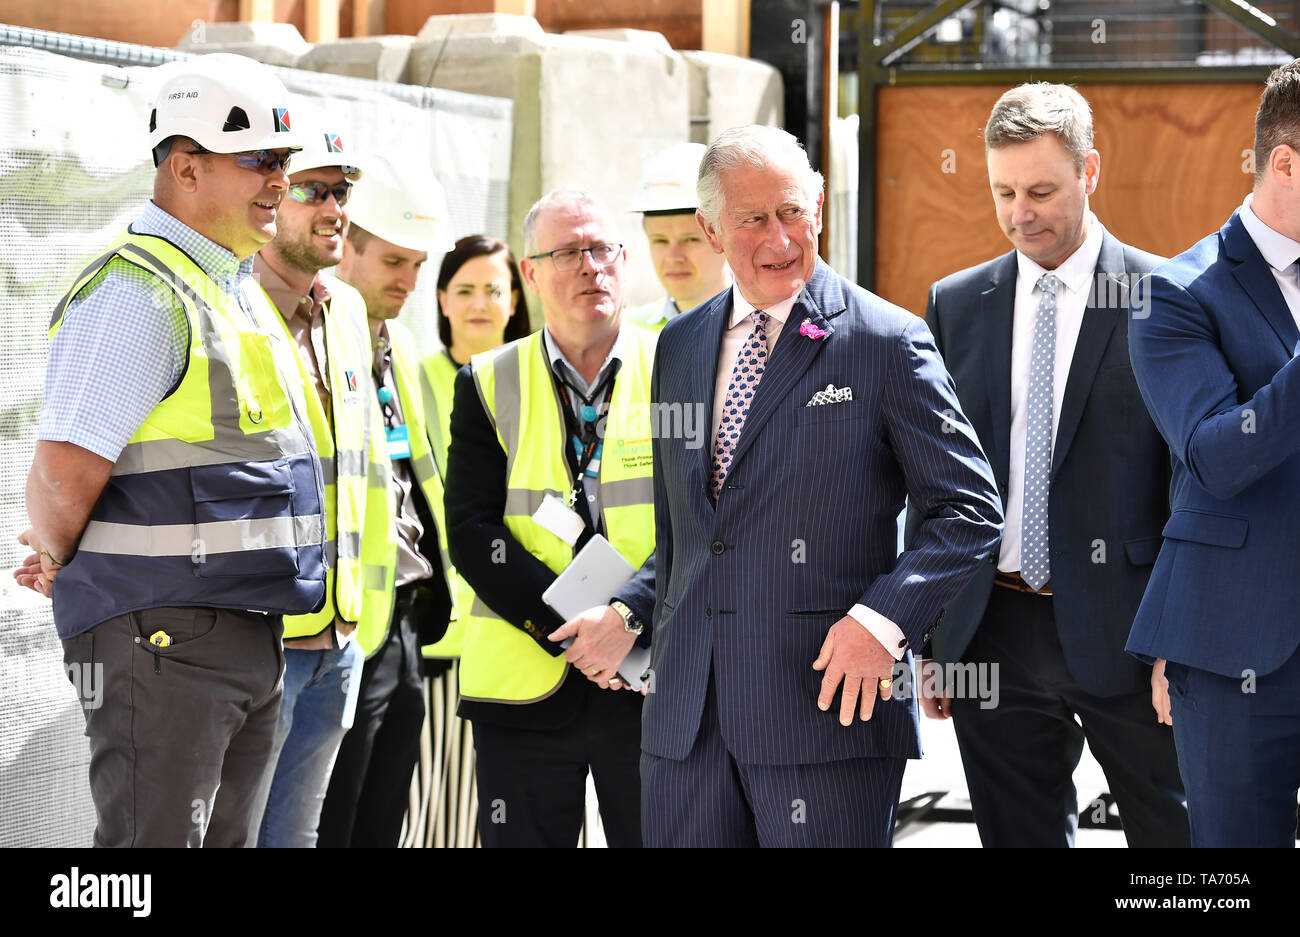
480, 298
480, 306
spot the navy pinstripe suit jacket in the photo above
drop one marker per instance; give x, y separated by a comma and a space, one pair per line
806, 525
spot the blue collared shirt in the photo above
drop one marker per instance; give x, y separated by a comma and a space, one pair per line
119, 351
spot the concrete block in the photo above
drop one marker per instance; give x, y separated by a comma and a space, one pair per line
728, 91
492, 26
271, 43
382, 58
588, 111
646, 38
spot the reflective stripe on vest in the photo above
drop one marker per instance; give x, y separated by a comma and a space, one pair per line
437, 388
342, 439
406, 378
499, 662
378, 548
216, 500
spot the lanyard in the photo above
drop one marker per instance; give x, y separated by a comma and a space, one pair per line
587, 444
397, 437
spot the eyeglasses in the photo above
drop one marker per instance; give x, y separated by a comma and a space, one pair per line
568, 259
309, 193
262, 161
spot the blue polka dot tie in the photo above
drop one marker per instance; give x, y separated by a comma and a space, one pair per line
1035, 558
740, 394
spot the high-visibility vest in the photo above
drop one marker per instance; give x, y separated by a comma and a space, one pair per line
406, 377
216, 500
499, 662
437, 387
644, 314
346, 448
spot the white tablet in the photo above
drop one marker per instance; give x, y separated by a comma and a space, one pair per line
596, 573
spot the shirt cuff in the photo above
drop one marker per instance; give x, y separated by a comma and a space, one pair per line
889, 635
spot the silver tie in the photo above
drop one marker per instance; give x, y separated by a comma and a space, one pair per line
1035, 557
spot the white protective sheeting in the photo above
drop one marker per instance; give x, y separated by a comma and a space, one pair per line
74, 171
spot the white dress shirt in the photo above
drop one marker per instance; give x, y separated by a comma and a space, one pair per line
738, 330
1076, 274
1281, 254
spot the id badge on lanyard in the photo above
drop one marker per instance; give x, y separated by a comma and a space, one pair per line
593, 465
399, 442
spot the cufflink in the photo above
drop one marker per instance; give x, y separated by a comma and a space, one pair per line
902, 643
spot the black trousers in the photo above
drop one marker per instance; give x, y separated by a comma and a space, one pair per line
180, 736
1019, 756
532, 783
370, 788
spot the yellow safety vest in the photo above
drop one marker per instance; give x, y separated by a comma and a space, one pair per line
406, 377
217, 499
499, 662
437, 386
345, 449
643, 315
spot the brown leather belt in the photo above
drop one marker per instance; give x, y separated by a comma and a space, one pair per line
1013, 581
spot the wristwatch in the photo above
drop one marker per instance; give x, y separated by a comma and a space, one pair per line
632, 622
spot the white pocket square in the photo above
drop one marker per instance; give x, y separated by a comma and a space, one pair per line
831, 394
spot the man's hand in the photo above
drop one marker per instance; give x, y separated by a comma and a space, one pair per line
37, 570
934, 707
600, 644
1160, 693
850, 653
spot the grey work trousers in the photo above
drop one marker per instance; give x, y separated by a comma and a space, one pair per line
180, 735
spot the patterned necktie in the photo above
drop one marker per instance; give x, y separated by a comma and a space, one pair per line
740, 394
1035, 561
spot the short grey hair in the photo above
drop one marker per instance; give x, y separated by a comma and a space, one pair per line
758, 146
1029, 111
576, 197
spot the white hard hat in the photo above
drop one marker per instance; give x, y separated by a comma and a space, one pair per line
403, 205
668, 180
322, 144
225, 103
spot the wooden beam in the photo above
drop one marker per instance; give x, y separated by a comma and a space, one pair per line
321, 19
257, 11
725, 26
516, 7
360, 18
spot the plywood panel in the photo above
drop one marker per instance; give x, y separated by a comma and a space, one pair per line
680, 21
1171, 172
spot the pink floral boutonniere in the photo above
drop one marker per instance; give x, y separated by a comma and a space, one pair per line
811, 331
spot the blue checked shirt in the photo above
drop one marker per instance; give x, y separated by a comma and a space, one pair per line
119, 350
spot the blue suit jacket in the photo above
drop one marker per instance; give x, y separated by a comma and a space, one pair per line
1213, 347
807, 524
1109, 494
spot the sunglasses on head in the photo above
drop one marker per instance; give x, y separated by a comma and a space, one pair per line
262, 161
309, 193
